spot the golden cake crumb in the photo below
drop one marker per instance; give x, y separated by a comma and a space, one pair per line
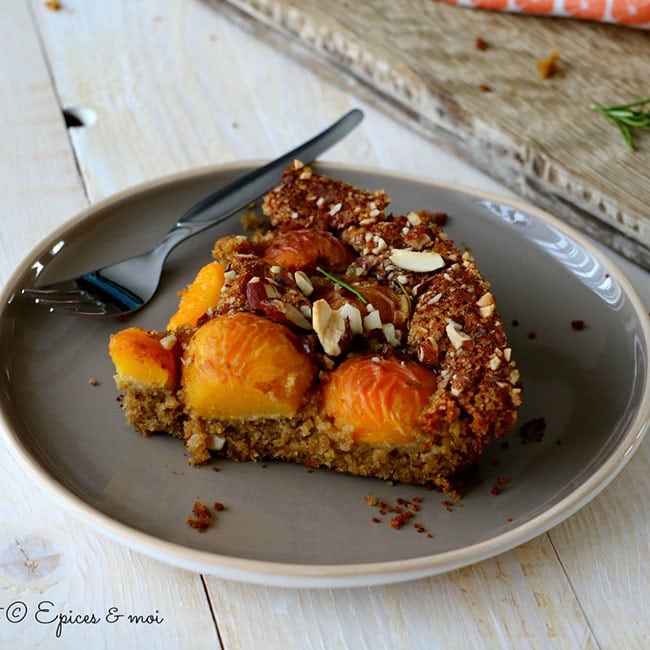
201, 518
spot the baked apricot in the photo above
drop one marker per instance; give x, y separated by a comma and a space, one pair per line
306, 249
244, 366
139, 357
199, 296
378, 400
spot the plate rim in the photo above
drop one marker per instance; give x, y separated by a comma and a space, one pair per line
283, 574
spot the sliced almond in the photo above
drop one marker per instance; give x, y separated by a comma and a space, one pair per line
418, 261
283, 312
303, 283
271, 291
330, 327
353, 316
372, 321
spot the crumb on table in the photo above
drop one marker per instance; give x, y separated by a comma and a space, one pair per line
548, 66
481, 44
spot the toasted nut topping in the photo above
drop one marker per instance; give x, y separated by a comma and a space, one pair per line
353, 316
391, 335
456, 336
428, 351
335, 209
292, 314
303, 283
380, 245
217, 443
507, 353
168, 342
419, 261
414, 218
485, 300
372, 321
330, 327
271, 291
486, 305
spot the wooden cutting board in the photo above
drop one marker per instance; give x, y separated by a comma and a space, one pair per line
419, 61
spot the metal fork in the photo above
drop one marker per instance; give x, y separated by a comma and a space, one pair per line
128, 285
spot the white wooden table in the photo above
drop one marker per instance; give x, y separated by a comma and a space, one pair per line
163, 87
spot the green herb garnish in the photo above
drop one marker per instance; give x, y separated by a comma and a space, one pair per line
343, 284
626, 119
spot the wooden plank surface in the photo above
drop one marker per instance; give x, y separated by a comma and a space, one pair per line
418, 60
161, 107
520, 599
49, 561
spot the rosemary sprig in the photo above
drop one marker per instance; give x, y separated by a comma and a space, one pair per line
343, 284
625, 118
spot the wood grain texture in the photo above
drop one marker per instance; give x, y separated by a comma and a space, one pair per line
419, 61
615, 526
36, 155
48, 559
173, 95
521, 599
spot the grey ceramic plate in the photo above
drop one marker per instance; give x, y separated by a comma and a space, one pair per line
286, 525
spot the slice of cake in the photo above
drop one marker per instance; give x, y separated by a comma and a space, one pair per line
341, 336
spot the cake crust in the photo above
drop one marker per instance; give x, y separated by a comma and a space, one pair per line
347, 281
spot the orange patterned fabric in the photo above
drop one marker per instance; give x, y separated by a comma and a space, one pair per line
633, 13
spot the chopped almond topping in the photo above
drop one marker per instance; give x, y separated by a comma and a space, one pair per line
456, 336
486, 305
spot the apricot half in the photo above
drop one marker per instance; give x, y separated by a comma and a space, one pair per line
199, 296
378, 399
306, 249
139, 357
244, 366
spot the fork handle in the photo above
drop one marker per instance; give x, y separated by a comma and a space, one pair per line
227, 201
